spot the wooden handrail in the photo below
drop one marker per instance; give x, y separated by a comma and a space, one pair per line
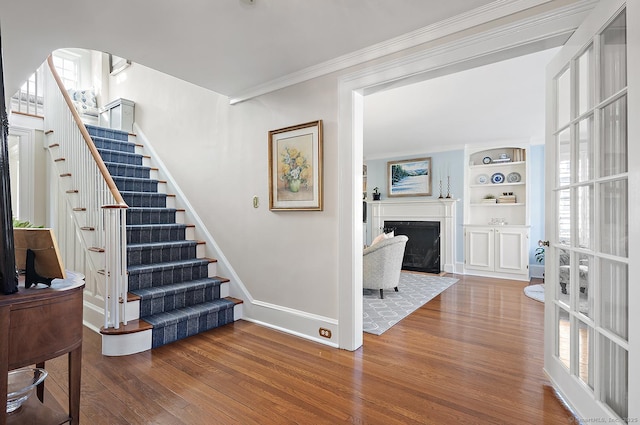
87, 138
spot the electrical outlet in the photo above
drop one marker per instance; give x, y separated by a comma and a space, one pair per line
325, 333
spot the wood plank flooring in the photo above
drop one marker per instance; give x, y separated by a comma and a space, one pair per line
472, 355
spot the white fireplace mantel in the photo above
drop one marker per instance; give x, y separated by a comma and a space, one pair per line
441, 210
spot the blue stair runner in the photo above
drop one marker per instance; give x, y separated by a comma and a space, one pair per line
177, 297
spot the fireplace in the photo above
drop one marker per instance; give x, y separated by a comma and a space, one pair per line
441, 211
422, 252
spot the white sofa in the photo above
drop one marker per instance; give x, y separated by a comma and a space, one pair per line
382, 263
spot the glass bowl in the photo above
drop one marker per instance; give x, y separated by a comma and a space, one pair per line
21, 383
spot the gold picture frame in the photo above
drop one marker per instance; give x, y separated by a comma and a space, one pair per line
295, 168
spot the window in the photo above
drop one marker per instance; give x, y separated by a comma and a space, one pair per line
67, 67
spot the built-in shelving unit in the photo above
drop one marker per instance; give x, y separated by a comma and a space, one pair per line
496, 216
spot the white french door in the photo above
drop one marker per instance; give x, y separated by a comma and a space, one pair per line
588, 355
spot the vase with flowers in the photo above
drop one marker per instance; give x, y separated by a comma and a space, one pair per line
294, 165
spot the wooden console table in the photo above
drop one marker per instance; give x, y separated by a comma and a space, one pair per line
36, 325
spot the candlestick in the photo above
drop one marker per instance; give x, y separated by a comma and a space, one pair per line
440, 197
448, 187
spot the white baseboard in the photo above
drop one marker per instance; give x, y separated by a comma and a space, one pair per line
294, 322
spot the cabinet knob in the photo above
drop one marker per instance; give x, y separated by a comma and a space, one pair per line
543, 243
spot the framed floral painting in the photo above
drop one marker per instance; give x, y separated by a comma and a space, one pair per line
295, 167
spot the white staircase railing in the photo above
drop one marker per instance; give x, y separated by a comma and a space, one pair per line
93, 214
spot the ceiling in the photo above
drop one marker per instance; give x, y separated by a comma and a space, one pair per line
502, 101
234, 47
228, 46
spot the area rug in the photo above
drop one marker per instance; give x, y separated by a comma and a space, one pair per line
535, 292
414, 290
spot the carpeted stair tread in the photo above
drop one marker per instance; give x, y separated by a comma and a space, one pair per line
127, 170
174, 288
174, 296
169, 265
149, 233
158, 252
109, 133
128, 158
151, 215
144, 199
136, 184
188, 321
168, 244
113, 144
157, 274
173, 316
158, 226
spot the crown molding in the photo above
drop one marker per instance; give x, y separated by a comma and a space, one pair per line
492, 11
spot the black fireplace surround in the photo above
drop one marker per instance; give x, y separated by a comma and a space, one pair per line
422, 252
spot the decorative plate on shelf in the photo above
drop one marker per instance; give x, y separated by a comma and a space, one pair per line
497, 178
513, 177
482, 179
486, 160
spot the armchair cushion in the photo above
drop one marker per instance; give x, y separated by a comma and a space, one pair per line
382, 263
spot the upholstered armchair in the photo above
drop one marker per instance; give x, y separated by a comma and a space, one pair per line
565, 274
382, 263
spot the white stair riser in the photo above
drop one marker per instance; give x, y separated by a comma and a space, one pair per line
125, 344
237, 312
200, 250
225, 289
133, 310
171, 201
213, 269
180, 217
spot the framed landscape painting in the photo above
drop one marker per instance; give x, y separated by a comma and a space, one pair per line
295, 167
410, 177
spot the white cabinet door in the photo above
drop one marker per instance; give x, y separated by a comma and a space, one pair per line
480, 248
511, 250
497, 251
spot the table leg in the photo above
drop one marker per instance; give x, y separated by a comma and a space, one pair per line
75, 369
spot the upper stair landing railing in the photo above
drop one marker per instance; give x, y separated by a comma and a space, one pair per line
29, 98
102, 207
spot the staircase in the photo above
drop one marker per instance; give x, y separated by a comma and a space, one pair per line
178, 292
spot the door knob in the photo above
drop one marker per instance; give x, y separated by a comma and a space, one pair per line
543, 243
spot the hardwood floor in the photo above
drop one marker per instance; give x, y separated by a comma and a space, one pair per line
472, 355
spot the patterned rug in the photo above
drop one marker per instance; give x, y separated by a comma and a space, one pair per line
414, 290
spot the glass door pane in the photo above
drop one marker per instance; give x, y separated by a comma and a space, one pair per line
615, 386
614, 228
563, 98
585, 81
614, 288
613, 152
614, 56
585, 351
584, 155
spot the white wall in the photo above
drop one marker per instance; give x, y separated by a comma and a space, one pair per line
217, 153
